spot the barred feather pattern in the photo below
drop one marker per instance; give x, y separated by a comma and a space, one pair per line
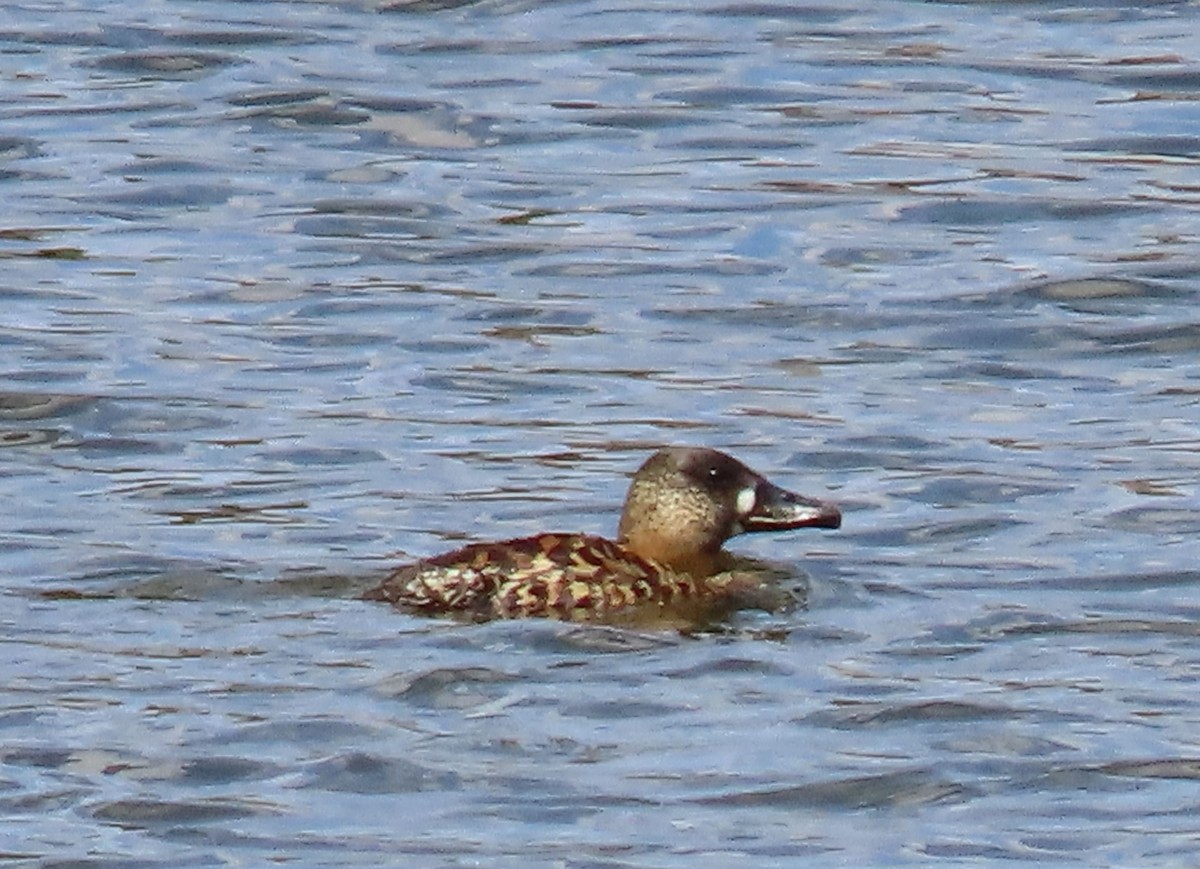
572, 577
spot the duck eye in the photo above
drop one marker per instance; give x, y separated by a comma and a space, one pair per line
710, 473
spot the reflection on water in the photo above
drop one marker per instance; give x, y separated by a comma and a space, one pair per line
291, 295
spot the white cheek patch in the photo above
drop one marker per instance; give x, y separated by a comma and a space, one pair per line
746, 500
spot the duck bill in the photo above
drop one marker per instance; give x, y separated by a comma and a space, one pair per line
777, 509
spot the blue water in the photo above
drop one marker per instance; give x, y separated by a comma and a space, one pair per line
292, 292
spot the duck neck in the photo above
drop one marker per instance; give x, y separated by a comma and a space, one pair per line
679, 558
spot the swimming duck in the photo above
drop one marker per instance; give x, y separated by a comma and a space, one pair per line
682, 505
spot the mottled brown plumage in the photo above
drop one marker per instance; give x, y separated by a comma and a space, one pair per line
683, 504
563, 576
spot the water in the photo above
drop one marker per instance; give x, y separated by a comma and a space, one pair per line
294, 291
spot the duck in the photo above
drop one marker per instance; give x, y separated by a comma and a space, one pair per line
667, 563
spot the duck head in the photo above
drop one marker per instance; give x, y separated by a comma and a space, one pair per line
685, 502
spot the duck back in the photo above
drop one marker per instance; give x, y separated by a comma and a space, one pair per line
576, 577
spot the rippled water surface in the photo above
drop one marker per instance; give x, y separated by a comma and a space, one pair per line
290, 292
